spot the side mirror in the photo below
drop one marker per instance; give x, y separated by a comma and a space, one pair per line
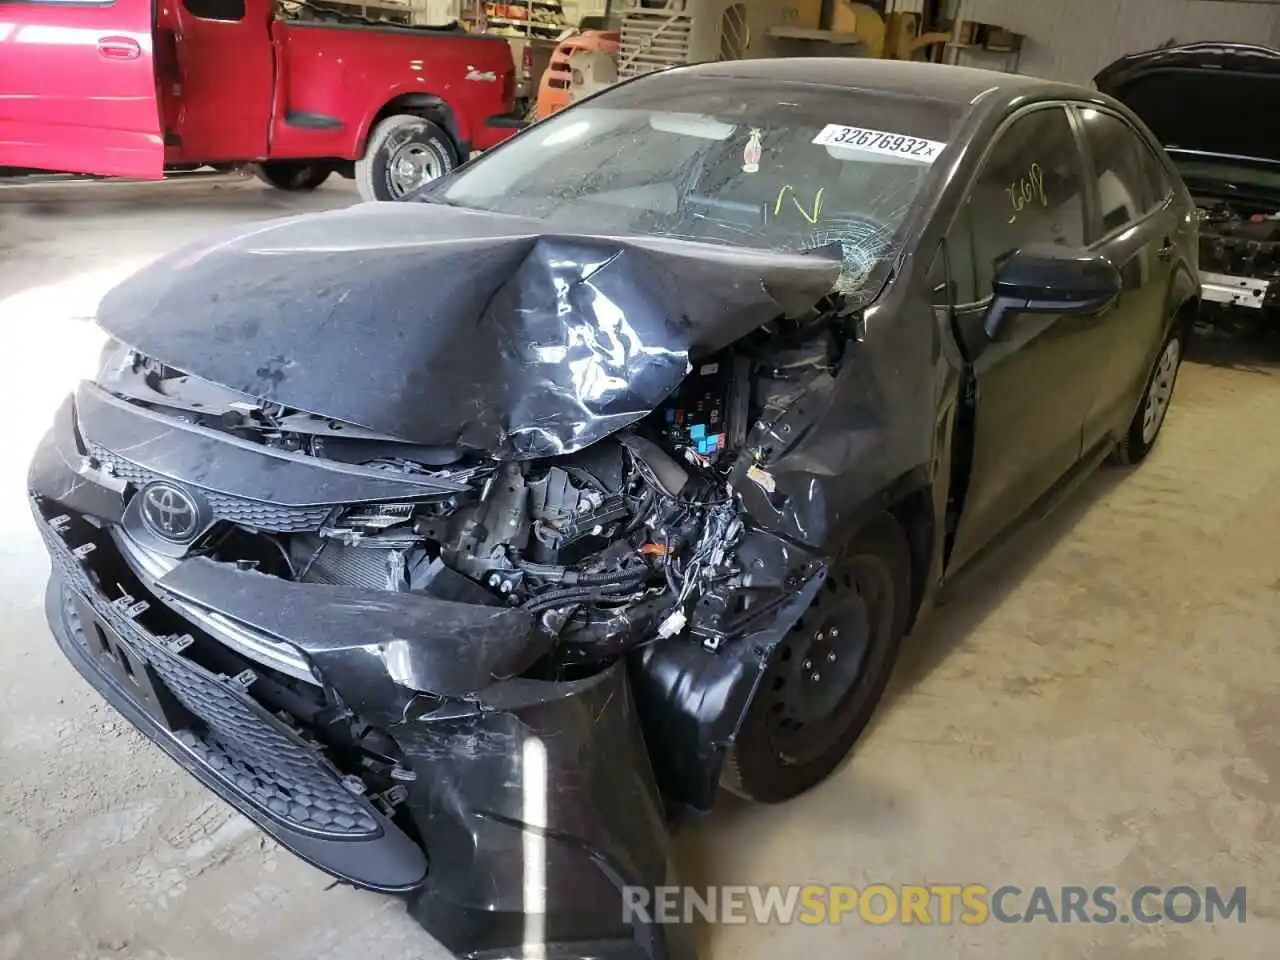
1047, 278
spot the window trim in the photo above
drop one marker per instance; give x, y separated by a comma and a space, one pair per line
962, 229
1170, 184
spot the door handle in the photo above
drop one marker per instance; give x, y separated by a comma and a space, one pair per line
119, 48
1165, 252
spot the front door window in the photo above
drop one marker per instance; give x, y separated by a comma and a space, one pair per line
1030, 190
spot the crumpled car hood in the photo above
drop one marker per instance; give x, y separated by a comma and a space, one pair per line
451, 327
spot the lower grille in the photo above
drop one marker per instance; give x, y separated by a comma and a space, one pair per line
250, 752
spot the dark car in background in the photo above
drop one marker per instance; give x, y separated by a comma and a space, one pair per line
456, 542
1214, 107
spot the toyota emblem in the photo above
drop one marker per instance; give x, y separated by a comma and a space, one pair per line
170, 512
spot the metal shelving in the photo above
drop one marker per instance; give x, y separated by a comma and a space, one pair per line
394, 12
536, 24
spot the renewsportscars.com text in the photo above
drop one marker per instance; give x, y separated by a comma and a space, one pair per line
934, 904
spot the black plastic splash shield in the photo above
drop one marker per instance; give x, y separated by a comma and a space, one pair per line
539, 808
455, 328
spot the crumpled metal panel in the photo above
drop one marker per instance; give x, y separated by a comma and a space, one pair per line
453, 328
217, 462
420, 643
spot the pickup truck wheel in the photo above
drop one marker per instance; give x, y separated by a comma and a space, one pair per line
292, 174
404, 153
827, 674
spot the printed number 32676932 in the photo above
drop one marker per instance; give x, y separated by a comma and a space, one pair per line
884, 141
880, 141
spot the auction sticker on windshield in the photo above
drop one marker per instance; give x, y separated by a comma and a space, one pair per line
880, 141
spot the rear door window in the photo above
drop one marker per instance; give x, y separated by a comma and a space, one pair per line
1121, 170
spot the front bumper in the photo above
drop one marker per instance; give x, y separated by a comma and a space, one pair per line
381, 859
530, 806
537, 797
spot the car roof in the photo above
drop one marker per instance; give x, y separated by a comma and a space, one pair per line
958, 85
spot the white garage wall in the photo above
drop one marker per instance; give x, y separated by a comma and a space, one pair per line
1074, 40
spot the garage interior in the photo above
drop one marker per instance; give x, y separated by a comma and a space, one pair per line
1100, 707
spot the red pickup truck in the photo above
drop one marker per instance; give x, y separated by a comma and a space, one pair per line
133, 88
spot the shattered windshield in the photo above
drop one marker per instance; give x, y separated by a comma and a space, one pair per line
750, 163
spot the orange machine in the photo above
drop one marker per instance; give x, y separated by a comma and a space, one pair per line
553, 90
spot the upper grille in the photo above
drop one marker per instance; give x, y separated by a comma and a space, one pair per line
251, 752
271, 517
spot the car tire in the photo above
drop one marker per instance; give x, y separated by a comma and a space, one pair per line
292, 175
1153, 410
796, 731
403, 154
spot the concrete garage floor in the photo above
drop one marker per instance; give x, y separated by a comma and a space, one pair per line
1102, 709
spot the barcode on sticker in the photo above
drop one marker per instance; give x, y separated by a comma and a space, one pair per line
880, 141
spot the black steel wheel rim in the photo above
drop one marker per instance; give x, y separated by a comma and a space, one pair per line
828, 659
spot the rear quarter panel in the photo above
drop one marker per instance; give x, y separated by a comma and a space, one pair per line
352, 73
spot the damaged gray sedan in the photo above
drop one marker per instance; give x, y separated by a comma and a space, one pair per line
460, 542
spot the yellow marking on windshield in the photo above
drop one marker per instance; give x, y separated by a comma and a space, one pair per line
813, 214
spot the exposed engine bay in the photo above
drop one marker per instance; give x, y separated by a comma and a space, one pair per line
1239, 239
636, 538
1239, 253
